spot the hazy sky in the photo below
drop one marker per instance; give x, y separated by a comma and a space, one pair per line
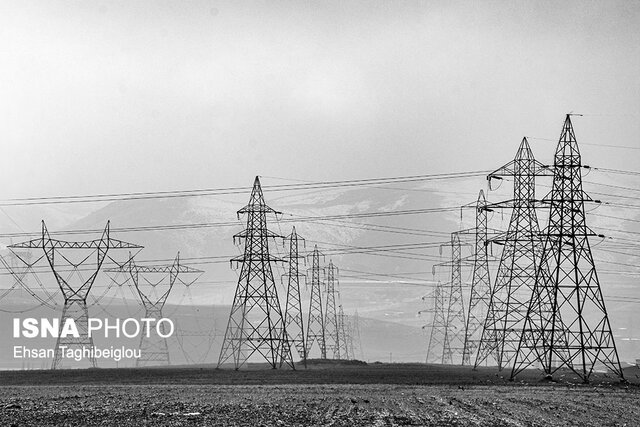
113, 96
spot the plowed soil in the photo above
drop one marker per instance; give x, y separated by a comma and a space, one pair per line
323, 395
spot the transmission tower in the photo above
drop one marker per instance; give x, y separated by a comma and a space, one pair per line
256, 323
316, 325
351, 347
153, 295
453, 342
518, 262
567, 323
19, 266
438, 324
332, 331
480, 285
355, 334
75, 294
345, 340
293, 311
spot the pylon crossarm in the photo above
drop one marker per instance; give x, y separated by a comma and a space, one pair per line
466, 231
538, 169
507, 236
63, 244
473, 232
167, 269
472, 259
257, 209
241, 258
30, 244
119, 244
524, 156
256, 233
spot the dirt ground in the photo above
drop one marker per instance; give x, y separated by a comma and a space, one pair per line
374, 395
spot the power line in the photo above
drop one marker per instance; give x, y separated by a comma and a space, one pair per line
616, 171
110, 197
612, 186
626, 147
294, 218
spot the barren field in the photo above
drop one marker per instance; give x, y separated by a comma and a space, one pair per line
336, 395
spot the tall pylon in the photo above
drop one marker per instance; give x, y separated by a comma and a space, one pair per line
453, 342
520, 257
316, 325
293, 311
74, 287
567, 323
331, 326
153, 294
480, 286
256, 323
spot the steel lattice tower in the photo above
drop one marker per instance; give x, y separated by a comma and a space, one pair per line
453, 342
256, 323
75, 297
153, 296
293, 311
345, 340
480, 285
520, 257
567, 322
331, 326
355, 334
316, 325
18, 267
351, 348
437, 325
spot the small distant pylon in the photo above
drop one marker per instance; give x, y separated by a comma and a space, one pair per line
453, 342
256, 323
480, 285
293, 311
520, 257
567, 324
332, 331
154, 349
356, 337
344, 339
19, 266
437, 325
351, 346
315, 325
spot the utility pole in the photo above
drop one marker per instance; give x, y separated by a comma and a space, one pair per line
256, 323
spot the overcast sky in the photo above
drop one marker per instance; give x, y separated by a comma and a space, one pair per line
114, 96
